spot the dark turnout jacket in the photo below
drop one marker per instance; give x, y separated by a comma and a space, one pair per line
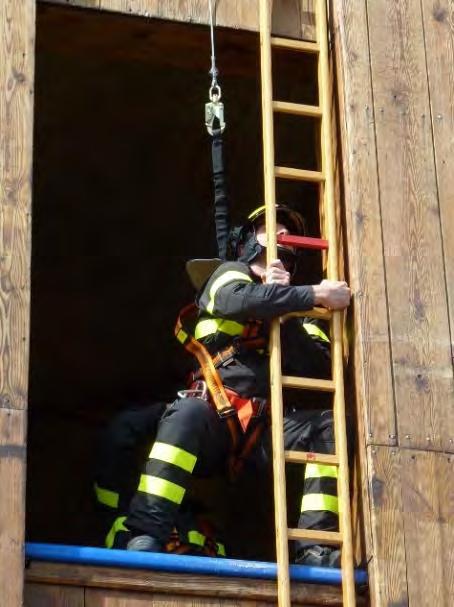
232, 299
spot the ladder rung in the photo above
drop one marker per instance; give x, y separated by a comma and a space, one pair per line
303, 457
298, 174
329, 538
297, 109
295, 45
308, 383
321, 313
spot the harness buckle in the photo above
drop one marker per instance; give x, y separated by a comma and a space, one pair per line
197, 390
227, 412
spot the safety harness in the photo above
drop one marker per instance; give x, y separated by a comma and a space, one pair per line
230, 406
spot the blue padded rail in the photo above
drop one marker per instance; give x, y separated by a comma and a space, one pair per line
197, 565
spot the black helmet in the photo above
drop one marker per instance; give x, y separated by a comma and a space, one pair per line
244, 237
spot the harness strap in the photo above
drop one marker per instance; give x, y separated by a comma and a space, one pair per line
211, 376
222, 398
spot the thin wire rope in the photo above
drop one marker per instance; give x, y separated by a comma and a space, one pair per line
214, 70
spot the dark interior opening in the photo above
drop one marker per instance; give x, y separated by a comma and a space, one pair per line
122, 198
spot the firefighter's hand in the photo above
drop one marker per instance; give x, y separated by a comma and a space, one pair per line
275, 273
332, 294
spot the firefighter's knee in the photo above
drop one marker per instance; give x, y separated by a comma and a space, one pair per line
193, 411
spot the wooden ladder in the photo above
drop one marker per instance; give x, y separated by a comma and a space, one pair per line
325, 179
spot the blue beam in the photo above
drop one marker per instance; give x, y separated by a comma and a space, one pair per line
174, 563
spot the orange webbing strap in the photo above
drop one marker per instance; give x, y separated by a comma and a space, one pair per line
210, 375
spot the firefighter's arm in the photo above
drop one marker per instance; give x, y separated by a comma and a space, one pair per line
238, 297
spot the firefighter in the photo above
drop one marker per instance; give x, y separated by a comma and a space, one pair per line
235, 306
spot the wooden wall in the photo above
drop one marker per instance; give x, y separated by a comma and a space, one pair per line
55, 585
292, 18
396, 75
17, 29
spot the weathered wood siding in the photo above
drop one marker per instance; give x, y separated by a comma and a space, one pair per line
83, 586
293, 18
395, 75
17, 28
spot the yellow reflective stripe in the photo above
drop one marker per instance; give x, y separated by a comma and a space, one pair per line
319, 470
118, 525
182, 336
106, 496
210, 326
153, 485
312, 329
221, 281
197, 538
221, 549
320, 501
173, 455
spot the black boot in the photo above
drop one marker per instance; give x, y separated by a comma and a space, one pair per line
145, 543
319, 556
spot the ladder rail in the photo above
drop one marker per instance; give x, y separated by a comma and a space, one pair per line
348, 583
325, 179
280, 506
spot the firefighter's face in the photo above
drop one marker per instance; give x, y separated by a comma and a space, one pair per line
260, 233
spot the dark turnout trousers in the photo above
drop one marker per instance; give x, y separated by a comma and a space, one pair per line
192, 439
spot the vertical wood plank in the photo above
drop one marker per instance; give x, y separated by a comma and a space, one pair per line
439, 41
428, 506
17, 23
363, 224
12, 505
389, 559
46, 595
421, 354
17, 32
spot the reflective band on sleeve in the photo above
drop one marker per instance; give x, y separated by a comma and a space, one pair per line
196, 538
118, 525
153, 485
320, 501
312, 329
319, 471
106, 496
223, 280
221, 549
210, 326
173, 455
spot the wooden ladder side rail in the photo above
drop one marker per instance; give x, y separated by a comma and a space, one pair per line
348, 583
280, 505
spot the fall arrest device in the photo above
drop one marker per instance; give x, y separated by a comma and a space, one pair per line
206, 383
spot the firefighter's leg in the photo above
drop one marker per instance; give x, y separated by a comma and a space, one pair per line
313, 431
120, 454
191, 439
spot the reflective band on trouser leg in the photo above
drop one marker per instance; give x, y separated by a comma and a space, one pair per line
173, 455
106, 496
220, 549
153, 485
118, 525
320, 501
320, 471
196, 538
